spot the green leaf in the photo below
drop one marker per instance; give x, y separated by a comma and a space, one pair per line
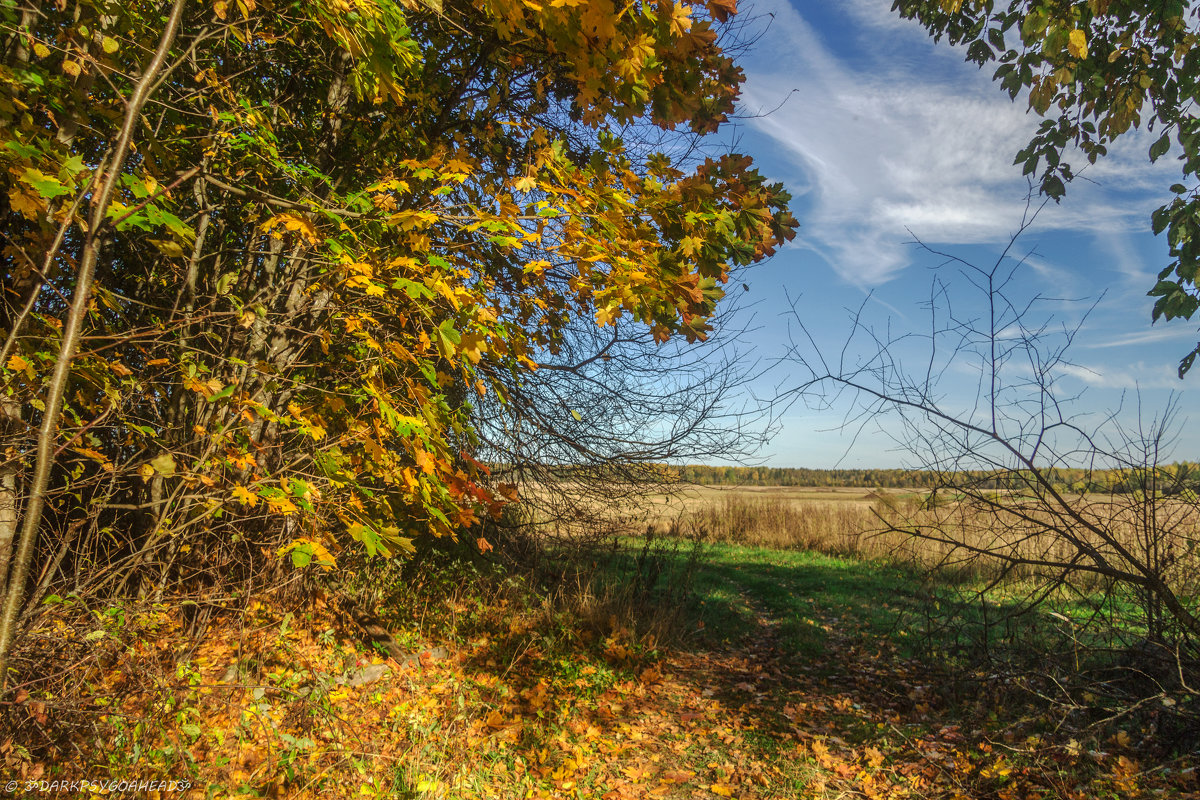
302, 555
158, 216
1160, 219
1188, 360
414, 290
29, 76
163, 464
448, 338
43, 184
1161, 146
1163, 288
1053, 186
22, 149
221, 395
367, 535
225, 283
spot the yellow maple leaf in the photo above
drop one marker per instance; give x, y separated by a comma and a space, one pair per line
281, 505
241, 460
366, 284
428, 785
194, 385
95, 455
1077, 44
424, 461
291, 222
245, 496
29, 204
413, 220
681, 19
723, 789
821, 753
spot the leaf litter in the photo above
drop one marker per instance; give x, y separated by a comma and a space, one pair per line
515, 703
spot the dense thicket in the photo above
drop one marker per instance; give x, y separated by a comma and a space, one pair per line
261, 258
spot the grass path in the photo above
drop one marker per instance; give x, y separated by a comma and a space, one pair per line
813, 691
798, 682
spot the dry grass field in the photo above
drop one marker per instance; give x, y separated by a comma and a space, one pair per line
1003, 533
980, 535
840, 521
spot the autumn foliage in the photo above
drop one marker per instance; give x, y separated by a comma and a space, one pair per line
305, 238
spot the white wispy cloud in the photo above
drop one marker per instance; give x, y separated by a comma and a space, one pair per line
1181, 333
1135, 376
878, 149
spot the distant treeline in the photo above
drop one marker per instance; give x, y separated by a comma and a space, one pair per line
1167, 479
800, 476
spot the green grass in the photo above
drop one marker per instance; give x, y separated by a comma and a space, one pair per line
804, 597
804, 594
732, 593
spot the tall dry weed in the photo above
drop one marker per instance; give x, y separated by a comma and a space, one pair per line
997, 538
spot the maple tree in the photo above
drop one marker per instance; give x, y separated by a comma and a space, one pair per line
1096, 70
262, 258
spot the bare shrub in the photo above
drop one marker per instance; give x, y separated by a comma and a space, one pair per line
1127, 558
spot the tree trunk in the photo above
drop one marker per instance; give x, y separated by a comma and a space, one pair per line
10, 418
56, 389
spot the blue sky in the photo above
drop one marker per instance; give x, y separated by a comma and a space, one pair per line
878, 131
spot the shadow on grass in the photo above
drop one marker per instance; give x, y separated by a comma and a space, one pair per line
733, 594
822, 669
